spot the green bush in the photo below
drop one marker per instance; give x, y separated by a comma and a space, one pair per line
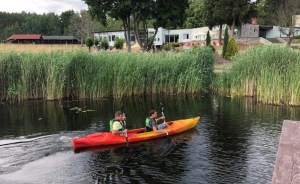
173, 44
211, 47
208, 39
96, 42
232, 49
104, 44
119, 43
297, 37
89, 42
226, 38
167, 47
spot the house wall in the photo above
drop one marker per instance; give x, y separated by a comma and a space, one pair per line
250, 31
159, 38
163, 35
110, 36
274, 33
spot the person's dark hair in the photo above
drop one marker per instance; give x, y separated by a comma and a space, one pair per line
151, 112
118, 113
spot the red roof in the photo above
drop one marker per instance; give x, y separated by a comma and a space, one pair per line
24, 37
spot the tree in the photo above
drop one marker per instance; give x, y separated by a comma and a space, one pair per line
226, 37
194, 15
81, 25
208, 39
214, 15
104, 44
232, 49
265, 10
163, 13
219, 12
118, 9
119, 43
285, 18
89, 43
96, 42
64, 19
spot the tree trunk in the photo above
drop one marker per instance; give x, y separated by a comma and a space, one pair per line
220, 33
288, 41
126, 23
146, 35
136, 24
232, 28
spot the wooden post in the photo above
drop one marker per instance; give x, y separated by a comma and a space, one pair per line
287, 165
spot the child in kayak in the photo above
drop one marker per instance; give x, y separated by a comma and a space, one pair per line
151, 122
117, 125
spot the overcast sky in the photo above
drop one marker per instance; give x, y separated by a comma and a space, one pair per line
42, 6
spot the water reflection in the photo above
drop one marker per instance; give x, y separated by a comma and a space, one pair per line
235, 141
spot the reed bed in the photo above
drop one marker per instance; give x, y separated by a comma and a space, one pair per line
40, 47
269, 73
58, 74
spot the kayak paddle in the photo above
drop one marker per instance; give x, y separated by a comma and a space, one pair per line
161, 107
123, 110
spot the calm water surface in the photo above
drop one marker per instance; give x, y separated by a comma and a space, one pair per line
235, 142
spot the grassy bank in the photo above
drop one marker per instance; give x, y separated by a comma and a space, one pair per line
270, 73
59, 74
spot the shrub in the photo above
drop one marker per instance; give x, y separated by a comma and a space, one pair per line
297, 37
232, 49
119, 43
96, 42
211, 47
167, 47
226, 38
104, 44
89, 42
173, 44
208, 39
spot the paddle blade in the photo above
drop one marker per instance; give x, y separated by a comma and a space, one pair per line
161, 106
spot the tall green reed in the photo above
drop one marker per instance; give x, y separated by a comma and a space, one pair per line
59, 74
270, 73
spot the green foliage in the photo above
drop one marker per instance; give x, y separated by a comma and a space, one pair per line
219, 12
96, 42
194, 15
173, 44
166, 47
268, 72
89, 42
208, 39
30, 23
232, 49
61, 74
104, 44
297, 37
211, 47
119, 43
226, 37
161, 13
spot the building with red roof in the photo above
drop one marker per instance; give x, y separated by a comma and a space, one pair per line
40, 39
25, 38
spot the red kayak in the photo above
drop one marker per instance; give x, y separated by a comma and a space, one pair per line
135, 135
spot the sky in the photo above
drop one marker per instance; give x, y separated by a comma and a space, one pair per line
42, 6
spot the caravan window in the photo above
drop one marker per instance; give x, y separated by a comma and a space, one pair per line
185, 36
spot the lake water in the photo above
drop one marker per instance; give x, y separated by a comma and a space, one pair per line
235, 141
